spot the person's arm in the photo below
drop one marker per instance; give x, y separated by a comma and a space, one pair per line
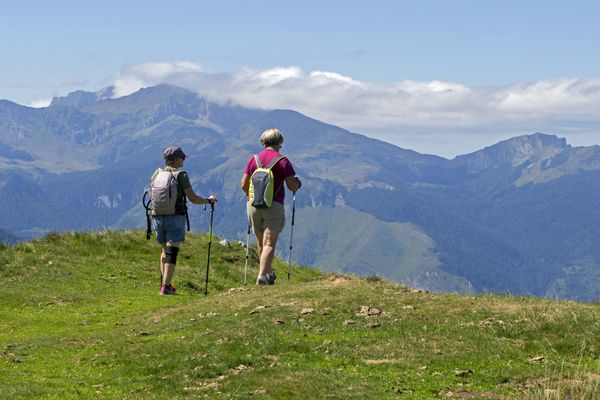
245, 183
291, 180
293, 183
194, 198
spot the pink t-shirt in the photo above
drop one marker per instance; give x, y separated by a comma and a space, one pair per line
281, 170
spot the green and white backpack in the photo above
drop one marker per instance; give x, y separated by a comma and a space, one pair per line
262, 184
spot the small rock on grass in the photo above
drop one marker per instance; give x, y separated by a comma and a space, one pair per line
366, 311
257, 309
238, 289
463, 373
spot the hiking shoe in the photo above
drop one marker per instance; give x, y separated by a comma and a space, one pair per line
271, 278
262, 280
164, 289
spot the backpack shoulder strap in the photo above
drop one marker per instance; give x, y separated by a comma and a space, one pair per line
185, 207
177, 174
275, 161
257, 160
271, 165
155, 174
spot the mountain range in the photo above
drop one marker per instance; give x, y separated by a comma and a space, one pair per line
519, 216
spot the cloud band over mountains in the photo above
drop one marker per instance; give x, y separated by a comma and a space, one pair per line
439, 117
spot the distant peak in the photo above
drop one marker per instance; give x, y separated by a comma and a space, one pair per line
515, 151
165, 89
75, 99
106, 93
528, 144
81, 98
540, 139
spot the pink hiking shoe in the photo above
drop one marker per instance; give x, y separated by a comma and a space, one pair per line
170, 289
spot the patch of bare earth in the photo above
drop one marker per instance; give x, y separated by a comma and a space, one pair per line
451, 394
587, 383
339, 279
216, 382
381, 361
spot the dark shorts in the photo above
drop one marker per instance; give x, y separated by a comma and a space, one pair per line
169, 228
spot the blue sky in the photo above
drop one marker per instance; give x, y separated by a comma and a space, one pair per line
442, 77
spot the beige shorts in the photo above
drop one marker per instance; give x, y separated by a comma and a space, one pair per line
272, 218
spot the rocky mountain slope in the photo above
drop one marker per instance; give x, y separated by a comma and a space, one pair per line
519, 216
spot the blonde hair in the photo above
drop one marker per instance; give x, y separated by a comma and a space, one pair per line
271, 137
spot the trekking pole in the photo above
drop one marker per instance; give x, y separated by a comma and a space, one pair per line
149, 225
146, 205
291, 236
212, 210
247, 254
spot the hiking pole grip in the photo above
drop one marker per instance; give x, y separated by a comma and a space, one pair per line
210, 229
292, 236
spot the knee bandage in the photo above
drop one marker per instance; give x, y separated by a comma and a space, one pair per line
171, 254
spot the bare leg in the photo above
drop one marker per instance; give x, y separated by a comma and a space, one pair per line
162, 264
259, 243
267, 253
167, 270
259, 250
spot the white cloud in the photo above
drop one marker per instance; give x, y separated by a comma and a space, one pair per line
134, 77
271, 76
324, 78
394, 112
40, 103
560, 96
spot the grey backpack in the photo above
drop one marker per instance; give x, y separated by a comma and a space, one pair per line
161, 198
163, 192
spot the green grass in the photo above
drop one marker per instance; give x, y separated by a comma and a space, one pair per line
80, 317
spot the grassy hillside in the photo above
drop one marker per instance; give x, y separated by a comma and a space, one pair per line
80, 317
396, 251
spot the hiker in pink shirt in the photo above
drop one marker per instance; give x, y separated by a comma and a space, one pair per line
268, 222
